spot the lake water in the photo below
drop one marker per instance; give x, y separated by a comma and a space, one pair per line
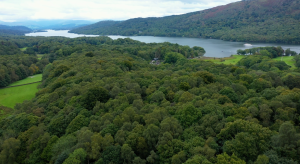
63, 33
213, 47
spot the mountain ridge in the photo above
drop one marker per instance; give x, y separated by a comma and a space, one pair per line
14, 30
50, 24
253, 21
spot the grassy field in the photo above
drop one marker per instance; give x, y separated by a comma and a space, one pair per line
9, 97
31, 79
228, 60
235, 58
23, 49
288, 60
40, 56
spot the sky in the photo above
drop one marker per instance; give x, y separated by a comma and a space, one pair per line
20, 10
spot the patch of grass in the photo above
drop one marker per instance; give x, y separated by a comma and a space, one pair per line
231, 60
31, 79
235, 58
23, 49
40, 56
9, 97
228, 60
288, 60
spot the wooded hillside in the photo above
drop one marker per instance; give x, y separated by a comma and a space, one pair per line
251, 21
14, 30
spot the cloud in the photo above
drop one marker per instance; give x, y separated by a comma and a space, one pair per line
16, 10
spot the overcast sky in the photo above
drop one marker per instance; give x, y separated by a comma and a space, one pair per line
18, 10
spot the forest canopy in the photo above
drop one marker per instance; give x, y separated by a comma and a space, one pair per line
101, 102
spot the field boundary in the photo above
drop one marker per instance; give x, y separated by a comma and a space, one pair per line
20, 85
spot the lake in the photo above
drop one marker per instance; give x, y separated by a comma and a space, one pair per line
213, 47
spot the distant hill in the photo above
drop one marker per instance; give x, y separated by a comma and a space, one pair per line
50, 24
94, 28
14, 30
64, 26
247, 20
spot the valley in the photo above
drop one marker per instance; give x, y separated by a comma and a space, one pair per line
219, 85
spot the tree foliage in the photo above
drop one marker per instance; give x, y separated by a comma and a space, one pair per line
115, 107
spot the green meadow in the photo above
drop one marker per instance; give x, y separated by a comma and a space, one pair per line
228, 60
39, 56
23, 49
9, 97
289, 60
30, 79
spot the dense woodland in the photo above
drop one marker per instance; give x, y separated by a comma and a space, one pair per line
24, 64
102, 102
253, 21
18, 67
